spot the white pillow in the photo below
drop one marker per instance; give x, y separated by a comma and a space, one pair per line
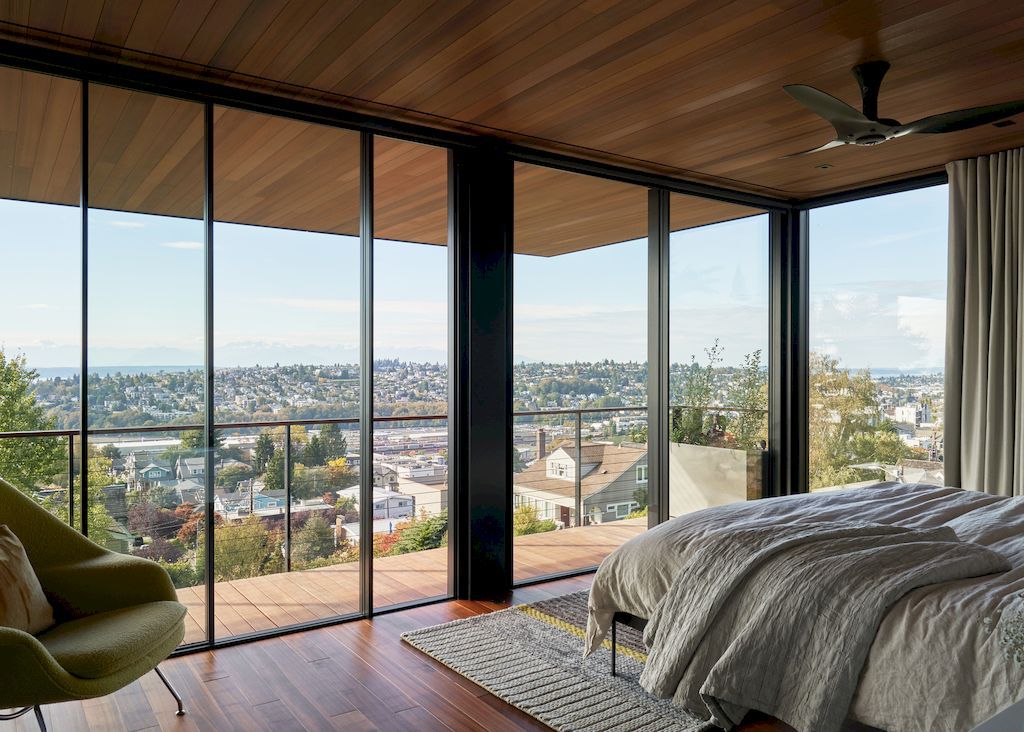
23, 604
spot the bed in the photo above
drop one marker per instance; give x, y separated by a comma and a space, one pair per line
933, 665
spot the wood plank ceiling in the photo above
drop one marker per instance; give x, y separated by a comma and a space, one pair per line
683, 87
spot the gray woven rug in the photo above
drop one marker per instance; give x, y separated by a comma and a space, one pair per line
531, 656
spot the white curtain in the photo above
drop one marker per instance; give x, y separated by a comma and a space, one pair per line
984, 415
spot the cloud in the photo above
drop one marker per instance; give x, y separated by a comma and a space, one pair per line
900, 237
127, 224
418, 309
34, 306
182, 244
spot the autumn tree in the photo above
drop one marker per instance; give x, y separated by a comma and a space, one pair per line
525, 520
845, 425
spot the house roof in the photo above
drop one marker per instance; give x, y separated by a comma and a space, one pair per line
610, 463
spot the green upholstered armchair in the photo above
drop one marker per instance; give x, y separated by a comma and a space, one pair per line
117, 616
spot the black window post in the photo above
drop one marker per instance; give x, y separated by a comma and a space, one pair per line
480, 372
657, 356
787, 392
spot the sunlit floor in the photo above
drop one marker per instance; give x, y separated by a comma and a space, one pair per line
273, 601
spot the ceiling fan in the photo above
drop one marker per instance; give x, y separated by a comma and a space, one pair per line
865, 127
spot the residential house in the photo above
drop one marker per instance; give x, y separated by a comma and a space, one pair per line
609, 476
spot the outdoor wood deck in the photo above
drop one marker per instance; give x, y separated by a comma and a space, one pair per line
276, 600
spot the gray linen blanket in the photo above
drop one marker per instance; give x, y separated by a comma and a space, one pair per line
781, 618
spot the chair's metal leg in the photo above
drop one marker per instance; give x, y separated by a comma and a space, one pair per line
614, 645
39, 718
181, 709
15, 714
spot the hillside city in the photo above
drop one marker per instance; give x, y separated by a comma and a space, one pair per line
150, 487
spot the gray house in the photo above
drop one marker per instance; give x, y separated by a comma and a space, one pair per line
610, 476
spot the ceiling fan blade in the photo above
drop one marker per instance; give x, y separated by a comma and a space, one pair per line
826, 146
963, 119
846, 120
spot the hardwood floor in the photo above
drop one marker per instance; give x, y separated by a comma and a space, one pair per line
355, 676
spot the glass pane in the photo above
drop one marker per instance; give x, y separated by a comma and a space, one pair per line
410, 511
147, 498
877, 340
580, 330
410, 371
718, 354
40, 241
286, 334
145, 259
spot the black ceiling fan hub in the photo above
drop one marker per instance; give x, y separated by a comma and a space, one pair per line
869, 77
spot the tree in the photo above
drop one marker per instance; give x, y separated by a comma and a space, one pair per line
526, 521
425, 532
111, 452
334, 443
28, 464
308, 483
148, 519
315, 453
100, 522
263, 452
845, 425
638, 435
232, 475
314, 540
697, 392
749, 394
240, 550
273, 477
340, 474
346, 506
160, 549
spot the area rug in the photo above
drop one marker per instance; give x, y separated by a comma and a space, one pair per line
531, 656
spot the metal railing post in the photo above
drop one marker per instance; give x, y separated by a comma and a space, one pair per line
287, 498
579, 468
71, 480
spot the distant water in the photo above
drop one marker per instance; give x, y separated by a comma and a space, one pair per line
933, 371
65, 372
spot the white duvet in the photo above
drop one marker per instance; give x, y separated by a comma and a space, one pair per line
933, 665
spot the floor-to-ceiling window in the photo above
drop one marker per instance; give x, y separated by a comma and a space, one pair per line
877, 340
146, 331
719, 285
580, 373
286, 357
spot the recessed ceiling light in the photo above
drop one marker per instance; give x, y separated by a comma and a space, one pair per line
823, 166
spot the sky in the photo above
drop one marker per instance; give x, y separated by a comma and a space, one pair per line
878, 271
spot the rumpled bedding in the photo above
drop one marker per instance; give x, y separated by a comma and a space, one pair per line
933, 665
